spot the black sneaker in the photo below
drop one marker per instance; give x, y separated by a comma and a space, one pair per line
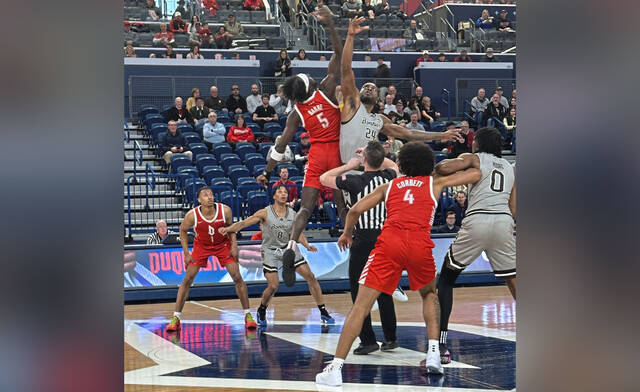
389, 345
288, 269
364, 350
445, 354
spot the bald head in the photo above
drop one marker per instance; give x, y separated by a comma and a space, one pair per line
161, 228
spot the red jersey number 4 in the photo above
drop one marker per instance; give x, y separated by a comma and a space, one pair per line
408, 196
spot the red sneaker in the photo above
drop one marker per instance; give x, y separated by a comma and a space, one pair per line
249, 322
174, 324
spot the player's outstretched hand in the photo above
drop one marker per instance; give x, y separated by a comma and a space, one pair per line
223, 230
312, 248
324, 15
345, 241
187, 259
452, 135
262, 180
354, 25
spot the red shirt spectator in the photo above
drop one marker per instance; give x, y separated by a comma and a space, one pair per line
163, 37
253, 5
177, 25
284, 180
212, 6
424, 57
240, 132
463, 58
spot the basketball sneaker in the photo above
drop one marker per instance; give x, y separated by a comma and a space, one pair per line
400, 295
445, 354
249, 322
288, 269
326, 317
331, 376
174, 324
432, 363
262, 319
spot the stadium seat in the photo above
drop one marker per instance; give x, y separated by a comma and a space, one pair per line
205, 160
252, 161
257, 200
257, 169
263, 148
243, 149
153, 118
222, 148
243, 16
198, 149
228, 160
293, 170
181, 40
254, 127
147, 109
182, 127
251, 31
237, 172
282, 120
245, 188
274, 135
185, 172
271, 127
156, 130
191, 186
165, 108
179, 160
258, 17
192, 137
210, 172
276, 42
223, 117
234, 200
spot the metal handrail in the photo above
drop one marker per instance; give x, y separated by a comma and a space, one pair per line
511, 49
446, 93
446, 22
137, 160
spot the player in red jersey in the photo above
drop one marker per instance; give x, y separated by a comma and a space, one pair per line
316, 109
404, 244
206, 220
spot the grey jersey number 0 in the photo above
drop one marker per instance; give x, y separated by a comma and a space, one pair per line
492, 192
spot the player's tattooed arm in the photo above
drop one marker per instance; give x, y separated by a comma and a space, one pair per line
462, 162
290, 129
259, 217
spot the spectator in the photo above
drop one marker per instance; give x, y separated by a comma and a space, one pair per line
191, 101
163, 37
205, 36
264, 113
418, 95
283, 64
366, 57
129, 51
213, 131
194, 52
463, 58
236, 56
413, 124
424, 57
396, 95
223, 38
485, 21
178, 113
236, 102
193, 29
458, 148
460, 207
429, 112
350, 9
412, 34
503, 100
169, 53
510, 124
502, 23
213, 101
413, 106
129, 35
211, 5
151, 12
302, 55
253, 5
291, 186
240, 132
177, 25
199, 112
254, 99
174, 143
302, 151
388, 104
395, 117
449, 226
368, 10
182, 10
279, 102
382, 8
402, 113
160, 234
324, 58
489, 57
382, 72
442, 58
479, 104
494, 113
233, 27
512, 103
394, 145
387, 151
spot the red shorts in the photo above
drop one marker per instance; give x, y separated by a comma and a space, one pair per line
322, 157
395, 251
201, 255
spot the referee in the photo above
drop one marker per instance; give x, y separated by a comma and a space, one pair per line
377, 171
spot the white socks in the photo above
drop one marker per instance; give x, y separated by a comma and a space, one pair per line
337, 363
433, 346
177, 314
247, 311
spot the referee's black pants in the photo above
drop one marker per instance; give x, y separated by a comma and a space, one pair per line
363, 243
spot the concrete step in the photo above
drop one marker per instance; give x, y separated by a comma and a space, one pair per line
140, 205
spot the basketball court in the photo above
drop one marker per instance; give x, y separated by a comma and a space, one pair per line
214, 352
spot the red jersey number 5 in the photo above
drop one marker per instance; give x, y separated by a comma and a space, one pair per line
323, 121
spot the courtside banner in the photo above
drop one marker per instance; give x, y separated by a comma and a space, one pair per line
164, 266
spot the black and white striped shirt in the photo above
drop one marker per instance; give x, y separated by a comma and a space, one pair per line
154, 238
357, 186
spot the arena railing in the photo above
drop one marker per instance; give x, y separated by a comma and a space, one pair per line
446, 99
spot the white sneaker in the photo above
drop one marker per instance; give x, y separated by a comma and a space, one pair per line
433, 363
399, 295
331, 376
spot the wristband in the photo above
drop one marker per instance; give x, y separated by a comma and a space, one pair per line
275, 155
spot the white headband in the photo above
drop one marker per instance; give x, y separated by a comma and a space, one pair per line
305, 79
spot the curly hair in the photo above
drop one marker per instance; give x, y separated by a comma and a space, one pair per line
294, 89
489, 140
416, 159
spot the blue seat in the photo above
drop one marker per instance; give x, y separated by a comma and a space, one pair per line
243, 149
246, 180
221, 148
227, 160
234, 200
192, 137
223, 118
156, 130
191, 186
253, 155
186, 172
205, 160
183, 127
219, 185
439, 155
257, 169
252, 161
293, 146
153, 118
271, 127
211, 172
179, 160
198, 149
245, 188
256, 200
263, 148
147, 109
275, 134
282, 120
237, 172
254, 127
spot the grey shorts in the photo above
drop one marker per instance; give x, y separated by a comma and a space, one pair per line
491, 233
272, 259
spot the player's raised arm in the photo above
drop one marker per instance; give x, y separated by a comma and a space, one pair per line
463, 177
462, 162
328, 178
350, 93
259, 217
391, 129
277, 153
368, 202
329, 83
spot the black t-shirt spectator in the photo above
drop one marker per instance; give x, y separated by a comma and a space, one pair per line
178, 115
492, 111
214, 103
358, 186
445, 229
262, 111
383, 71
176, 140
233, 103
